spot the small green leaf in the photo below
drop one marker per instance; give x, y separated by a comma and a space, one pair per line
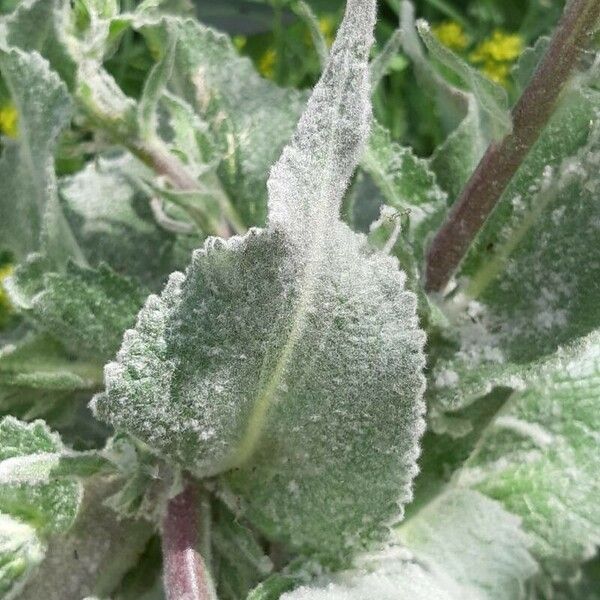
405, 180
20, 552
39, 497
39, 379
239, 562
250, 118
408, 186
455, 159
110, 215
48, 505
87, 310
154, 87
33, 26
491, 98
30, 215
528, 61
39, 362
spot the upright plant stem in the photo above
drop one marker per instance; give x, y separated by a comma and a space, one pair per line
185, 574
502, 159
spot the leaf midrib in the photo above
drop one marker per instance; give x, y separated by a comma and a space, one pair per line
307, 283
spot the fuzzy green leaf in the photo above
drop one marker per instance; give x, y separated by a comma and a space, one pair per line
250, 118
491, 98
536, 264
456, 158
20, 552
539, 457
34, 502
39, 362
39, 379
30, 215
110, 215
33, 26
278, 359
87, 310
405, 180
461, 546
51, 505
239, 562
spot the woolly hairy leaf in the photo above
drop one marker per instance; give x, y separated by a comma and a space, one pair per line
536, 263
86, 309
30, 216
540, 458
289, 360
93, 557
20, 552
49, 506
405, 180
33, 505
250, 118
39, 379
111, 218
414, 202
491, 98
463, 545
39, 362
33, 26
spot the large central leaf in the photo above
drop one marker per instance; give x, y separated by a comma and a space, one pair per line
289, 360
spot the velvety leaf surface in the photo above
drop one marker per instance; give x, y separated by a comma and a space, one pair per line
32, 504
289, 360
250, 118
30, 216
32, 27
461, 546
49, 506
20, 552
535, 265
39, 362
110, 215
407, 184
86, 309
540, 458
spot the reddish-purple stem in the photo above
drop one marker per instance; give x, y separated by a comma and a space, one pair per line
185, 574
503, 158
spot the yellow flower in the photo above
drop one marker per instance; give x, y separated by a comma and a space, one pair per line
451, 34
327, 27
9, 120
497, 53
266, 64
500, 47
5, 271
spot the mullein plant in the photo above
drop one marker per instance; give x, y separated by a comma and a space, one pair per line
253, 348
